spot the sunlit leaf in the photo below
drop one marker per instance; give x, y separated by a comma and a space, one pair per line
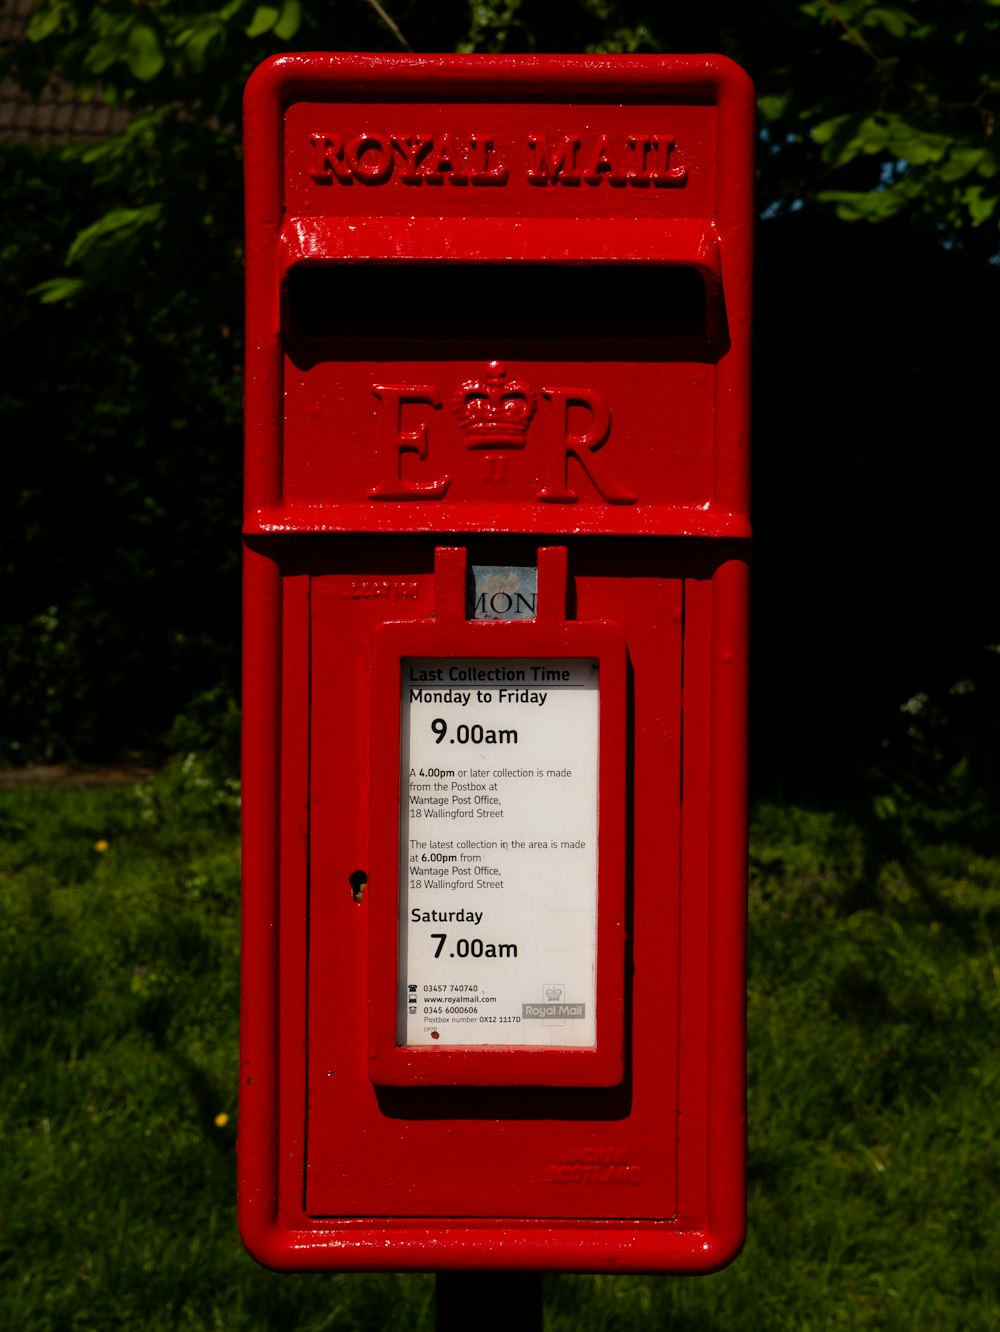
45, 20
197, 37
855, 206
962, 161
118, 224
288, 24
144, 53
826, 130
872, 135
915, 145
58, 289
980, 205
772, 106
895, 21
264, 19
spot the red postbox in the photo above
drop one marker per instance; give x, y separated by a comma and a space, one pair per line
495, 662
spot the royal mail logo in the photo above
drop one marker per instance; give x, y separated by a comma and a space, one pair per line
553, 1010
554, 1007
497, 411
373, 157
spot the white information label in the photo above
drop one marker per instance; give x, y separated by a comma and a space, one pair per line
498, 852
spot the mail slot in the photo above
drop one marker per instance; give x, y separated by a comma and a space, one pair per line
496, 554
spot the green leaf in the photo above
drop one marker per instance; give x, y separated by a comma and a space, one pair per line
58, 289
46, 19
197, 37
915, 145
104, 53
885, 808
264, 19
962, 160
827, 130
138, 137
854, 206
144, 54
288, 24
981, 206
895, 21
119, 224
772, 106
872, 135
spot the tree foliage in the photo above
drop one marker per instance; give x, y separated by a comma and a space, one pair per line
118, 553
872, 109
118, 541
901, 102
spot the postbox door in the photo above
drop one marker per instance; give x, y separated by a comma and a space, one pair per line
365, 1140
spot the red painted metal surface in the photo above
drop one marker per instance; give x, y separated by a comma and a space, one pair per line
498, 312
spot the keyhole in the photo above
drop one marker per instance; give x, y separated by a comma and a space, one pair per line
357, 880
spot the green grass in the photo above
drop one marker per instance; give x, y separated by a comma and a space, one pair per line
874, 1085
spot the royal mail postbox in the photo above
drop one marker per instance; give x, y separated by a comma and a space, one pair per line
495, 662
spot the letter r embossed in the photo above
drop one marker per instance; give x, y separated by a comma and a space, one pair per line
582, 446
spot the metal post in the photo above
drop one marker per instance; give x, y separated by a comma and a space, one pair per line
489, 1301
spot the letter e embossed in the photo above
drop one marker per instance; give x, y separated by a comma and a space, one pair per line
397, 441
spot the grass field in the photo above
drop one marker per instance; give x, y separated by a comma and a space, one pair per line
874, 1084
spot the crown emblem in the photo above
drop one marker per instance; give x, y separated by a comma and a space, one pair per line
495, 412
553, 993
